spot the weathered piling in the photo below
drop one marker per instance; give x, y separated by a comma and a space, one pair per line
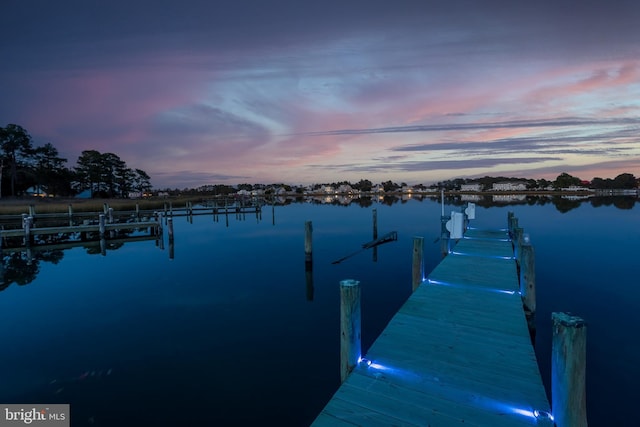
568, 366
528, 275
418, 262
170, 229
375, 224
27, 222
70, 215
350, 333
101, 225
308, 242
110, 215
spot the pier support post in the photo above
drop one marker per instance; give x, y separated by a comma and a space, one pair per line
350, 334
375, 224
70, 215
518, 234
308, 240
417, 272
110, 213
568, 366
101, 225
528, 275
170, 229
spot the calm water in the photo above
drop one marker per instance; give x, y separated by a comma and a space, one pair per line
232, 331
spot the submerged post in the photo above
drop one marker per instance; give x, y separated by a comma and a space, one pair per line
568, 366
350, 334
418, 262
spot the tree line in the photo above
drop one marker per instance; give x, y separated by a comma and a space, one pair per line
25, 168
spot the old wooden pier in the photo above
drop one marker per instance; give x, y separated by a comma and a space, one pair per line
458, 352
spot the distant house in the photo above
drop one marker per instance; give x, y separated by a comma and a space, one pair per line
35, 192
470, 187
345, 189
509, 186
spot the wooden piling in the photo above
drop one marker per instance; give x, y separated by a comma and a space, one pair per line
170, 228
375, 224
101, 225
568, 366
528, 276
70, 215
418, 262
27, 230
518, 234
308, 240
110, 215
350, 333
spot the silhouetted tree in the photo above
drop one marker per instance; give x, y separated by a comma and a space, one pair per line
16, 147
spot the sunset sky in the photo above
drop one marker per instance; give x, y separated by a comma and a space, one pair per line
233, 91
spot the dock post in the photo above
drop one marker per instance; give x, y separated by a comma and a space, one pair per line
110, 213
70, 215
138, 211
528, 275
170, 229
568, 366
375, 224
26, 224
308, 240
418, 262
518, 233
32, 211
101, 225
105, 207
350, 334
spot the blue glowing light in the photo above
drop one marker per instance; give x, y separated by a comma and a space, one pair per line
542, 415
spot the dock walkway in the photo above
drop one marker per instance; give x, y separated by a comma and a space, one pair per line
458, 352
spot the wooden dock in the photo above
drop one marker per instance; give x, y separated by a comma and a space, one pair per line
458, 352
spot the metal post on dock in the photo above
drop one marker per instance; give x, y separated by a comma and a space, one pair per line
350, 334
568, 366
418, 262
308, 242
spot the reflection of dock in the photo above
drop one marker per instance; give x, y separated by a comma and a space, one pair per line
458, 352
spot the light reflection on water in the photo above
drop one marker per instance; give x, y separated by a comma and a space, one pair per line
228, 323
